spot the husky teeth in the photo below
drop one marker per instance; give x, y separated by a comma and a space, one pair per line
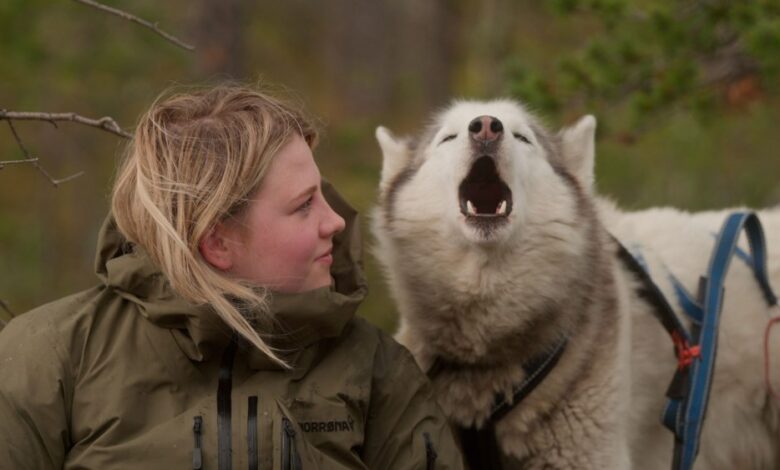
501, 208
470, 209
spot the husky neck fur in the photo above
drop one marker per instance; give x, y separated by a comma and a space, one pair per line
495, 248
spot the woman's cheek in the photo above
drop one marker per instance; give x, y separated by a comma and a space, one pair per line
303, 246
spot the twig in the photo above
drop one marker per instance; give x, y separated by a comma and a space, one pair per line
67, 178
105, 123
19, 142
135, 19
5, 307
34, 162
13, 162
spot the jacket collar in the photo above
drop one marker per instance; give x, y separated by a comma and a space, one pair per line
299, 319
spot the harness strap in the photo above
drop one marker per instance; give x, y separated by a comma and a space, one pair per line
652, 294
479, 444
689, 390
767, 375
691, 304
684, 411
692, 408
681, 338
536, 371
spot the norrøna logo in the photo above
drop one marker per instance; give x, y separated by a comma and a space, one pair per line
328, 426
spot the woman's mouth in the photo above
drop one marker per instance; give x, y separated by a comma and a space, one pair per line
326, 258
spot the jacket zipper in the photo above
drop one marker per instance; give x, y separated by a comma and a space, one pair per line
224, 407
290, 458
251, 434
197, 454
430, 452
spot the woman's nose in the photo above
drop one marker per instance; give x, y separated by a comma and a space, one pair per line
332, 224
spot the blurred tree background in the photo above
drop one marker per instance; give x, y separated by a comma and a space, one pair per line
686, 94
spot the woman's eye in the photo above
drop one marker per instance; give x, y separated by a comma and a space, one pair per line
448, 138
306, 205
521, 137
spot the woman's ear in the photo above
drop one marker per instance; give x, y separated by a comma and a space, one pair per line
214, 247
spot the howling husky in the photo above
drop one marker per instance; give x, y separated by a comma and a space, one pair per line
498, 252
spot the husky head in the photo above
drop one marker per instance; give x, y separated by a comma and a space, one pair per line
484, 220
482, 169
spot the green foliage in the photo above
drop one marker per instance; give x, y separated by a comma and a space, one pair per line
624, 61
763, 43
656, 55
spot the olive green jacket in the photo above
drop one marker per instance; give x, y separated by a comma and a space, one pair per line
128, 375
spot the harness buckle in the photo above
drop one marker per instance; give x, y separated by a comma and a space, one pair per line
685, 352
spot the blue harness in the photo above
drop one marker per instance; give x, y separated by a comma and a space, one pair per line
689, 390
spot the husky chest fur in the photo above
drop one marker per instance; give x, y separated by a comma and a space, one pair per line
497, 251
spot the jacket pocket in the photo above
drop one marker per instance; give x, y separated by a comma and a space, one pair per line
291, 460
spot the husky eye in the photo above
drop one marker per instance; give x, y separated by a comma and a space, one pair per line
521, 137
448, 138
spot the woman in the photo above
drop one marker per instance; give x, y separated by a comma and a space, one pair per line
223, 332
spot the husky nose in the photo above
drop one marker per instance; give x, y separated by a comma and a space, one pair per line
486, 128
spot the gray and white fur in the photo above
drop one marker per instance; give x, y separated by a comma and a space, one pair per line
495, 247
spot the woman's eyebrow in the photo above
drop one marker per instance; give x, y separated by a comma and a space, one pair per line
305, 192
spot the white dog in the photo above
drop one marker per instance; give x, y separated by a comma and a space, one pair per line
498, 253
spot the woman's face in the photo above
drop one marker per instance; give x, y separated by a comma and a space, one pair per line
286, 240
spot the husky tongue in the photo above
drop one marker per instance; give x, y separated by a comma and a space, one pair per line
483, 193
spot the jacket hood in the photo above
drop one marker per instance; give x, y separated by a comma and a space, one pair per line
300, 319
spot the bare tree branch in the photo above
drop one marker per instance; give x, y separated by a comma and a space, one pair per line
105, 123
135, 19
19, 142
5, 307
16, 162
34, 161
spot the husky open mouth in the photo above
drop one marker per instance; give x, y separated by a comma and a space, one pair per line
483, 194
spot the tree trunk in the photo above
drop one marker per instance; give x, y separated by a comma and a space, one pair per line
219, 38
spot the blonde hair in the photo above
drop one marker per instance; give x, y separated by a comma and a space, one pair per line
194, 161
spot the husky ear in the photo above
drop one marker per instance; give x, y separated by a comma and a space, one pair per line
395, 155
579, 149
